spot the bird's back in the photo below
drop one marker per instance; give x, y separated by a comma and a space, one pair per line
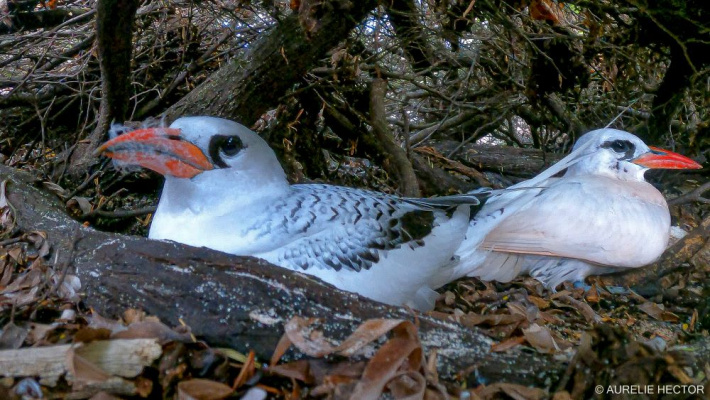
388, 248
379, 245
571, 226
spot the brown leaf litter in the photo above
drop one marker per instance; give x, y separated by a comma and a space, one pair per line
51, 347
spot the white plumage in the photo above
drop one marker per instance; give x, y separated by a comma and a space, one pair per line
225, 189
599, 217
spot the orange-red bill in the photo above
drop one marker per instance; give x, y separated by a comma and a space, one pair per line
160, 149
658, 158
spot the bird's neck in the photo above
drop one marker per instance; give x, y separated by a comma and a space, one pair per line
613, 169
221, 194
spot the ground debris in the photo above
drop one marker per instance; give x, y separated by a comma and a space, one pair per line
41, 313
608, 363
398, 366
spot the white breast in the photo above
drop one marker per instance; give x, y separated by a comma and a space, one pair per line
569, 228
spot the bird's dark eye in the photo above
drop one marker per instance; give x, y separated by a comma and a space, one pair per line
622, 146
231, 145
224, 145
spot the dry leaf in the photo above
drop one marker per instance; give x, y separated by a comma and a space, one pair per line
39, 332
507, 344
88, 334
22, 298
29, 279
54, 188
97, 321
281, 347
516, 392
155, 330
300, 370
530, 313
542, 339
301, 333
39, 241
247, 371
539, 302
83, 370
587, 312
592, 295
657, 312
407, 385
6, 270
17, 254
399, 356
7, 220
369, 331
12, 336
203, 389
472, 319
403, 347
78, 206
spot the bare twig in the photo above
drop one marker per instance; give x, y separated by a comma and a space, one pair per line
86, 183
76, 236
194, 66
10, 241
694, 195
120, 213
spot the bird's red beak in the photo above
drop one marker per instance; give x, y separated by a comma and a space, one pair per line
664, 159
161, 149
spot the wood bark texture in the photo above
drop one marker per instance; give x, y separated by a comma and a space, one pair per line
243, 90
240, 302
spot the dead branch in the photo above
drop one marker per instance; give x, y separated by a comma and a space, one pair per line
396, 155
453, 165
240, 302
120, 213
192, 68
694, 195
449, 123
404, 16
277, 60
434, 180
517, 161
114, 36
29, 21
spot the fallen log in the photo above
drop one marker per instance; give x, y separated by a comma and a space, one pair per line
507, 160
121, 357
240, 302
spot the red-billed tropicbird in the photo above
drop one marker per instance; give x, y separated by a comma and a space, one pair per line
225, 189
601, 216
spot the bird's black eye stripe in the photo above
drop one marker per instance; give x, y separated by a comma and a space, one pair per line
621, 146
229, 145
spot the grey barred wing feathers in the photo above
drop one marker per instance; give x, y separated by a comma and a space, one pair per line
225, 189
338, 227
378, 245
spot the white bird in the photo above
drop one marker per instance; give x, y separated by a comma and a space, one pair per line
601, 216
225, 190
